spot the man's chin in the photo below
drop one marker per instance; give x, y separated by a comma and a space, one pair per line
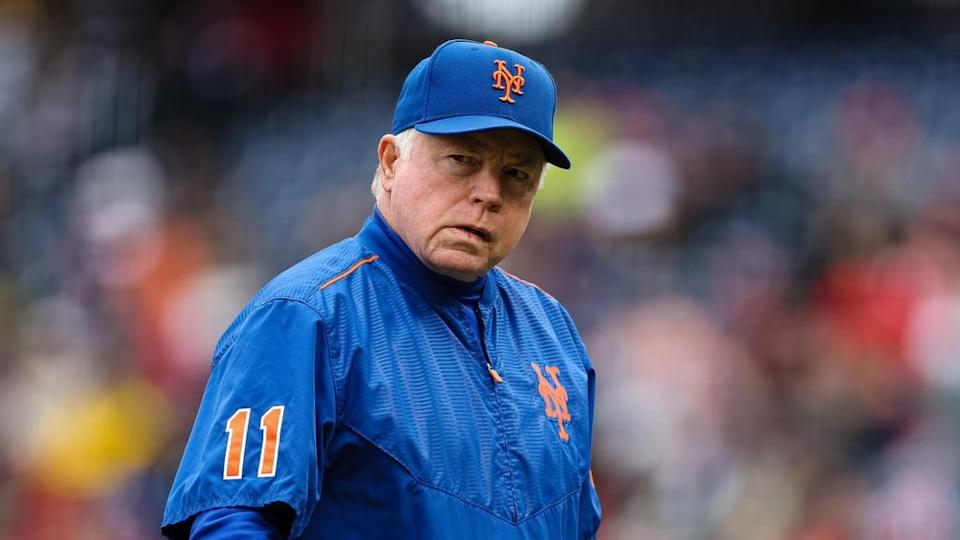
459, 264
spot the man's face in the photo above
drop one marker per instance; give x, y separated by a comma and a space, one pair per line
461, 202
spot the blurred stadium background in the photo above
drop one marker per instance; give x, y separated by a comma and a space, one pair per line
760, 240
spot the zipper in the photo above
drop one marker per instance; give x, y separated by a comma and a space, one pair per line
501, 435
483, 346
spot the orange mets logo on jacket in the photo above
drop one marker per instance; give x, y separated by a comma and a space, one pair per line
554, 397
508, 82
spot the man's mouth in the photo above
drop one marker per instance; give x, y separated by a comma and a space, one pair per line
482, 234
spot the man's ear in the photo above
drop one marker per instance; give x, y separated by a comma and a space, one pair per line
389, 154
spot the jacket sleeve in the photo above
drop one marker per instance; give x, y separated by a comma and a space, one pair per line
266, 418
234, 524
590, 512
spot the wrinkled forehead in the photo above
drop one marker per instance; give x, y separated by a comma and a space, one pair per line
513, 144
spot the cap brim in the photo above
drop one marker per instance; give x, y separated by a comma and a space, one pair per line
456, 125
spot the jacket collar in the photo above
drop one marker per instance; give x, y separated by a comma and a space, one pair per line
377, 235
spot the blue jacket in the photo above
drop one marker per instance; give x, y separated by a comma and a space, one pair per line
354, 389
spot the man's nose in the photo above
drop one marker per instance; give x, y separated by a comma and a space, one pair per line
487, 189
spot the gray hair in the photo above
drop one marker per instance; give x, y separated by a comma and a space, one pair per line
404, 141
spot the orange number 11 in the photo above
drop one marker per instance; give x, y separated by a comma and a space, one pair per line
270, 424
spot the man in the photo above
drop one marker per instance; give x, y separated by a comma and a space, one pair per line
397, 384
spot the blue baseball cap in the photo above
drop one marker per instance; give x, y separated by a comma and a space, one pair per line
466, 86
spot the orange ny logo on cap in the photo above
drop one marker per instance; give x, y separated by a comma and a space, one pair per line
508, 82
554, 397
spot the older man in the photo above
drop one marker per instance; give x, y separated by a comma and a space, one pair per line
397, 384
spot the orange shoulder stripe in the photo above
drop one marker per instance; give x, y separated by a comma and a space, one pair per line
349, 271
521, 280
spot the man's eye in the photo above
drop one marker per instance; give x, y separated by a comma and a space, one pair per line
518, 174
460, 158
